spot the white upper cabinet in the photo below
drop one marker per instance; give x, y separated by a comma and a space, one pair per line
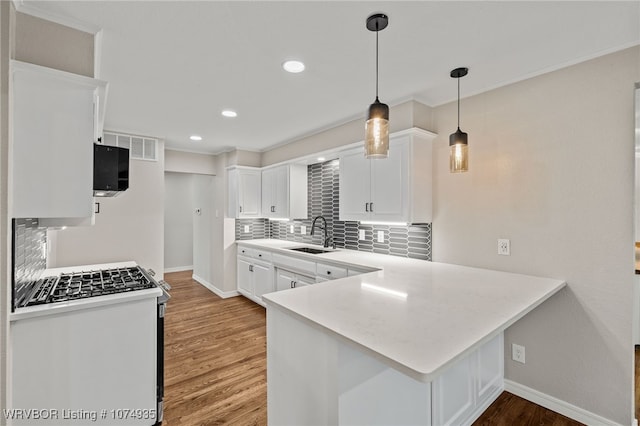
54, 123
284, 192
245, 192
395, 189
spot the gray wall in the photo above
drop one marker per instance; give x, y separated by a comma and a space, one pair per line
52, 45
178, 221
552, 168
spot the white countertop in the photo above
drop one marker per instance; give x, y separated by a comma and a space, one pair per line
89, 302
417, 316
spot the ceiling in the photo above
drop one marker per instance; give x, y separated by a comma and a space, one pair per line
173, 66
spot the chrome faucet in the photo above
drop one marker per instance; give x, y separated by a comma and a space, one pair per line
324, 228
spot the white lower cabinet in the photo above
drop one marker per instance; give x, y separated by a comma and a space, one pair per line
466, 389
287, 279
254, 278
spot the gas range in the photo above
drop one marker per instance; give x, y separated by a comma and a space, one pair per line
80, 285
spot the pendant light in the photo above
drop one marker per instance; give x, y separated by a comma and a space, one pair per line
458, 144
376, 139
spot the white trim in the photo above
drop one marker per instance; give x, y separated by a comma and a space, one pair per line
214, 289
67, 21
97, 53
178, 269
559, 406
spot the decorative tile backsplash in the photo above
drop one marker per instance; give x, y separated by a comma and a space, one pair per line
323, 181
29, 254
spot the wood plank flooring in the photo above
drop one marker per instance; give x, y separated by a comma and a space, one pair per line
215, 364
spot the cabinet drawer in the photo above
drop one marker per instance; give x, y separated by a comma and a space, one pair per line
262, 255
295, 263
245, 251
253, 253
331, 272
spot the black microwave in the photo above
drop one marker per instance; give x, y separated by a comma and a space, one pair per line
110, 170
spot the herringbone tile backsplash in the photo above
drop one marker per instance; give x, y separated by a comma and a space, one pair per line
323, 200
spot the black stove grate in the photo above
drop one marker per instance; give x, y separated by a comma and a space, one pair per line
88, 284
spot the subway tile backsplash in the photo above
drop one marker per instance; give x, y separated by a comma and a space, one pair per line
29, 254
406, 241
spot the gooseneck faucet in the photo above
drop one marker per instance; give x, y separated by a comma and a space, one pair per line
324, 228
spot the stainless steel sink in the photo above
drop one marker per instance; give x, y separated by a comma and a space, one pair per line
310, 250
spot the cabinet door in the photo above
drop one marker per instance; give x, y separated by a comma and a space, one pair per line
303, 280
281, 192
355, 183
389, 183
268, 192
249, 193
284, 279
52, 150
245, 277
262, 280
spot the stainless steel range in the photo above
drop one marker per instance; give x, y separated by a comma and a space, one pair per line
80, 285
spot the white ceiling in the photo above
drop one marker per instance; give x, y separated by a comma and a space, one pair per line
173, 66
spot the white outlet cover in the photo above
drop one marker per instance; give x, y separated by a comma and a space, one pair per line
291, 228
362, 235
381, 236
303, 230
246, 228
504, 247
517, 353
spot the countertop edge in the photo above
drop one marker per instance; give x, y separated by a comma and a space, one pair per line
422, 376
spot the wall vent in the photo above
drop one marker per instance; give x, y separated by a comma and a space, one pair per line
140, 147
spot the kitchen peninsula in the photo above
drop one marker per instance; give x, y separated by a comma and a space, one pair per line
414, 342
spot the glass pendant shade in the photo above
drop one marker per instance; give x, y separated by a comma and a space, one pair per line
376, 141
458, 152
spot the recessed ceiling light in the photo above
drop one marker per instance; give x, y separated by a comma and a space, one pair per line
321, 158
293, 66
195, 138
229, 113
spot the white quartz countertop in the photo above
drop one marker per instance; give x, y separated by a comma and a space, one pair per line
86, 303
417, 316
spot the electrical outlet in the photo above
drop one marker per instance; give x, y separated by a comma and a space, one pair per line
381, 236
362, 235
517, 353
291, 229
303, 230
504, 247
246, 229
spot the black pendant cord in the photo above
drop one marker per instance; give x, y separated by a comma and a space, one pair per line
377, 60
458, 103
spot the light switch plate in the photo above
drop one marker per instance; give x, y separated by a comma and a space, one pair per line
303, 230
381, 236
362, 235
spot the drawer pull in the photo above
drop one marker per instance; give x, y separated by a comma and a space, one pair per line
328, 272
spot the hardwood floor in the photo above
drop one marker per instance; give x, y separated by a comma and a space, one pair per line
215, 357
215, 364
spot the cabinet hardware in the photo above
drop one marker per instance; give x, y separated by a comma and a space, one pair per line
366, 207
240, 209
291, 284
371, 207
273, 209
259, 255
328, 272
96, 208
250, 268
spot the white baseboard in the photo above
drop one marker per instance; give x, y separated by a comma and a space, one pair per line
559, 406
179, 269
214, 289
